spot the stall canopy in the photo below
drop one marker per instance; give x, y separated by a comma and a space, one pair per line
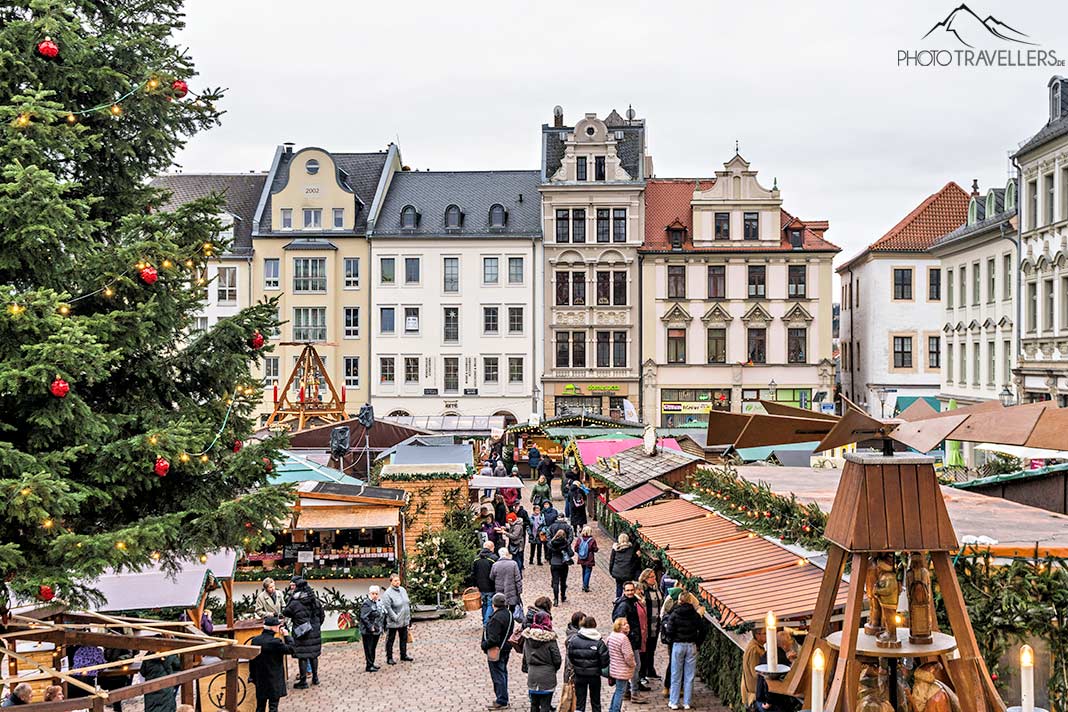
636, 498
635, 468
297, 468
742, 575
435, 455
369, 517
479, 425
590, 450
153, 587
563, 433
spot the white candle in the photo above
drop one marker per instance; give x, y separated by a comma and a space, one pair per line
1027, 679
818, 665
771, 645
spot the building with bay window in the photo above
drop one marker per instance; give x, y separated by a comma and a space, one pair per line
310, 251
592, 179
736, 299
1042, 370
892, 316
457, 309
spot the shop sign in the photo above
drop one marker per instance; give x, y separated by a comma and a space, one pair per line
686, 407
470, 391
602, 388
571, 389
430, 391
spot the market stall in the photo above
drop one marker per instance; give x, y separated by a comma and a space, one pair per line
552, 435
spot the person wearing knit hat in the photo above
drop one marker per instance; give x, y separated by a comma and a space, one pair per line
515, 536
541, 661
267, 670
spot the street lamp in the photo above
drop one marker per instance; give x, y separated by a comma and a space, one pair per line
772, 389
882, 393
1006, 396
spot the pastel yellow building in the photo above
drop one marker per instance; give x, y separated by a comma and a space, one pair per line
310, 250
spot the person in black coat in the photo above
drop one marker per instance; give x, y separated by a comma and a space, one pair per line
267, 670
161, 700
588, 656
495, 636
626, 606
306, 614
372, 624
480, 578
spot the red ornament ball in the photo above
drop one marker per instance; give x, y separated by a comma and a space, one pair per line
149, 275
45, 592
180, 88
256, 340
238, 445
162, 467
47, 48
59, 388
267, 464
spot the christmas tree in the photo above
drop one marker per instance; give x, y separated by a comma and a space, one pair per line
121, 431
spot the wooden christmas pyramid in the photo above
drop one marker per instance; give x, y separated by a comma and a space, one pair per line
310, 406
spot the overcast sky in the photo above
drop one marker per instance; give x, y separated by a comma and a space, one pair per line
812, 91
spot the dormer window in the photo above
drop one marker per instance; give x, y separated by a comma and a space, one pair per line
1055, 100
312, 166
1010, 196
796, 240
497, 216
453, 218
991, 203
973, 211
409, 217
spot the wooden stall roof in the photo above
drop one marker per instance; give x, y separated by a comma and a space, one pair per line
743, 575
636, 498
972, 515
636, 468
676, 510
343, 492
791, 592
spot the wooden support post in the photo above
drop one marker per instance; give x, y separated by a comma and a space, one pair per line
843, 693
832, 579
967, 646
187, 687
231, 689
228, 591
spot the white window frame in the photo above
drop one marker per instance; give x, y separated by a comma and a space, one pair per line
305, 318
382, 273
523, 370
444, 274
226, 287
522, 321
419, 268
418, 320
381, 371
338, 215
350, 366
350, 330
270, 371
522, 270
287, 218
496, 368
380, 321
309, 271
352, 279
497, 331
497, 269
313, 218
418, 370
274, 282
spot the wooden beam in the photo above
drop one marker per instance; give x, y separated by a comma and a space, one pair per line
230, 701
185, 677
821, 617
187, 685
48, 672
961, 625
839, 698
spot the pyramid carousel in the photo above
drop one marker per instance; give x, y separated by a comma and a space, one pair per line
889, 515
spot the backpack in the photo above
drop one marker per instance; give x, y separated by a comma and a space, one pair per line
543, 533
584, 547
578, 499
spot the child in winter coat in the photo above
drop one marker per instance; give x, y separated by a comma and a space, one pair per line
541, 660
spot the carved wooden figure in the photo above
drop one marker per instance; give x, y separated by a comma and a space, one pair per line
918, 587
929, 694
871, 693
887, 592
875, 625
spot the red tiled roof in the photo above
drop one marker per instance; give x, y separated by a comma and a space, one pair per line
667, 202
941, 213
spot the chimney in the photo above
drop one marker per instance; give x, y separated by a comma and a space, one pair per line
288, 146
558, 117
975, 187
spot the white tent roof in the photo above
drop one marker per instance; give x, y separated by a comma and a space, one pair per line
153, 588
1025, 453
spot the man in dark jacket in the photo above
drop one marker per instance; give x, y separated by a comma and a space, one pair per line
160, 700
547, 468
495, 638
306, 614
588, 656
267, 670
482, 580
627, 607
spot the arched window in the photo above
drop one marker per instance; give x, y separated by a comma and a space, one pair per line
312, 166
991, 203
973, 211
453, 218
409, 217
509, 419
1010, 195
497, 215
399, 414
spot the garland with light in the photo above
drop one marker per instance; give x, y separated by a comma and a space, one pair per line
755, 507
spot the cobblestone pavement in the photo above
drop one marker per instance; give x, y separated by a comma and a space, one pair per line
449, 673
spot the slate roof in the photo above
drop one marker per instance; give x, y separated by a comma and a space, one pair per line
631, 148
1052, 130
360, 172
975, 228
667, 202
431, 192
938, 214
241, 190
